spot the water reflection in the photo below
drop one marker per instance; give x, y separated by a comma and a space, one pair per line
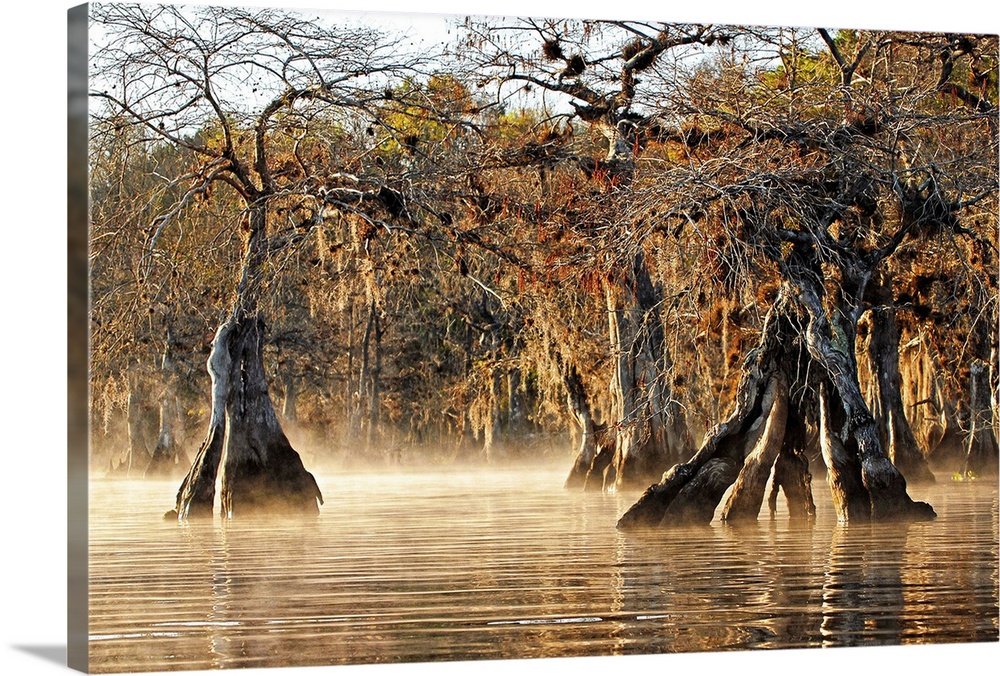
862, 589
465, 564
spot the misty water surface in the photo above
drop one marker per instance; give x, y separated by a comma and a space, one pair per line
457, 564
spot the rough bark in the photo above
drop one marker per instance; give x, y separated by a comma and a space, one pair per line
196, 497
718, 462
245, 446
894, 430
935, 418
864, 482
748, 491
261, 472
843, 468
831, 345
651, 430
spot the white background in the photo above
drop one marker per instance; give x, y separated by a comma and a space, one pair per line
33, 330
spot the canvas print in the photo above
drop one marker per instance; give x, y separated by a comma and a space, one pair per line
417, 338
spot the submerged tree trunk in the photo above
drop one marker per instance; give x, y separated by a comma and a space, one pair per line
831, 344
601, 473
748, 492
651, 430
245, 445
894, 430
690, 492
840, 455
863, 480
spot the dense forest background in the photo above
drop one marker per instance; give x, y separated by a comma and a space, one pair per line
544, 238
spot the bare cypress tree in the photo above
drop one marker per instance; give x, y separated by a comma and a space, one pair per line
835, 182
231, 88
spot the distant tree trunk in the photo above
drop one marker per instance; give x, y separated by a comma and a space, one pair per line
366, 409
375, 386
167, 454
492, 425
467, 428
578, 404
651, 430
289, 404
245, 445
142, 417
362, 395
882, 345
982, 452
517, 415
951, 447
492, 429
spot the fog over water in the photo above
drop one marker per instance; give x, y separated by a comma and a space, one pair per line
448, 563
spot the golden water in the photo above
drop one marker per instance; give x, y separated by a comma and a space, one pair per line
459, 564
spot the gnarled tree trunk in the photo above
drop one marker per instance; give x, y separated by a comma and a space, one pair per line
748, 492
840, 455
791, 471
690, 492
260, 471
831, 344
863, 480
